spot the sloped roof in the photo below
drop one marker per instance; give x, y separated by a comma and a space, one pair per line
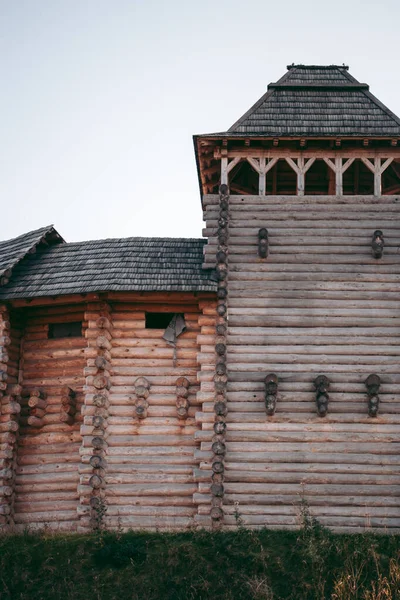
314, 101
130, 264
14, 250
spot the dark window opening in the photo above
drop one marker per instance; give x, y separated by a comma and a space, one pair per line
391, 179
65, 330
158, 320
358, 179
243, 180
320, 179
281, 180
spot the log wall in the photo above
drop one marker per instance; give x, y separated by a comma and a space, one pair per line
99, 430
10, 341
319, 304
150, 448
46, 474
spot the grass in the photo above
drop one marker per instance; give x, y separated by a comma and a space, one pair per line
310, 564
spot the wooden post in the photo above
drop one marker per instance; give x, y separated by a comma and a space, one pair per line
224, 170
339, 176
262, 178
301, 168
377, 168
378, 178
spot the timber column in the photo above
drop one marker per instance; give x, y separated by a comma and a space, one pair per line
10, 408
221, 377
92, 489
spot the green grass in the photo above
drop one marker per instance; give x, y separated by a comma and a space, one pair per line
269, 565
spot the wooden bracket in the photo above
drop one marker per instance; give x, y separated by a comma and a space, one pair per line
182, 394
271, 390
263, 242
37, 408
322, 384
373, 383
300, 168
142, 391
377, 244
377, 168
68, 405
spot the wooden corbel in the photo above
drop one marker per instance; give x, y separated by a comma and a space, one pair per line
68, 406
377, 244
373, 383
142, 391
321, 384
182, 394
271, 390
263, 243
37, 408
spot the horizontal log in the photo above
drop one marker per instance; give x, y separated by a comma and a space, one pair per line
390, 448
171, 489
47, 516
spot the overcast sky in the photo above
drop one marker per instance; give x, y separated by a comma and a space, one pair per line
100, 98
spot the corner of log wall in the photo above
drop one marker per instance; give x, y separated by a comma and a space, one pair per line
205, 417
10, 408
92, 486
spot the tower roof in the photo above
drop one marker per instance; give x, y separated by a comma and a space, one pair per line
316, 101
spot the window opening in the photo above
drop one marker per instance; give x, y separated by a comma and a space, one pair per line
358, 179
391, 179
158, 320
65, 330
319, 179
243, 180
281, 180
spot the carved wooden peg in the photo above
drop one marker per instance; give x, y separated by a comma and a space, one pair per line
271, 390
223, 190
182, 394
142, 391
263, 243
37, 408
373, 383
377, 244
322, 384
68, 406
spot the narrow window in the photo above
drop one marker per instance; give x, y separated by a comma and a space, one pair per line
65, 330
158, 320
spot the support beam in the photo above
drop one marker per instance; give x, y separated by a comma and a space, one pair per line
301, 168
377, 168
261, 166
224, 170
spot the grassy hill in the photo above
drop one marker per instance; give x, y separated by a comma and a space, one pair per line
240, 565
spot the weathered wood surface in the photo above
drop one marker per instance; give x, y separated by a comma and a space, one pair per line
10, 334
149, 479
318, 304
46, 474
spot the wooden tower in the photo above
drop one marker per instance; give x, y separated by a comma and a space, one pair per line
301, 203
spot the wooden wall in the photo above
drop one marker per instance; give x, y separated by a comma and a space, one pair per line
46, 481
319, 304
109, 467
150, 479
146, 479
11, 330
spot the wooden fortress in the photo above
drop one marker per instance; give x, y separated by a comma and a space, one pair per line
178, 383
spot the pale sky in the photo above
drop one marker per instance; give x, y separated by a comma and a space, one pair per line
100, 98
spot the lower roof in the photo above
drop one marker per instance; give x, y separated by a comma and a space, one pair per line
130, 264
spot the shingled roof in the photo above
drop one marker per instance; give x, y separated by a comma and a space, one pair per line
130, 264
316, 101
14, 250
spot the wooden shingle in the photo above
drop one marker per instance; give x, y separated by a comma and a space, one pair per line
131, 264
316, 101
